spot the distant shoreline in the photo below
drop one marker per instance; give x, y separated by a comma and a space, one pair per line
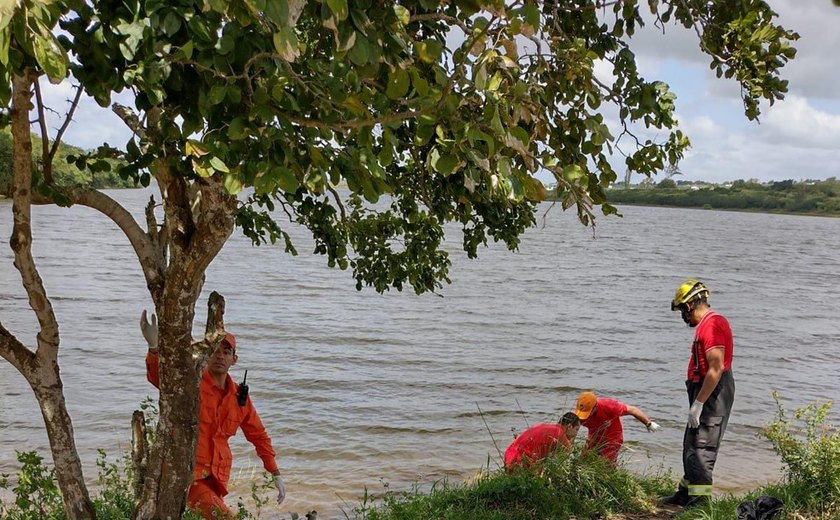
736, 210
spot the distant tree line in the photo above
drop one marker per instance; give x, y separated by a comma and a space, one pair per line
103, 174
810, 197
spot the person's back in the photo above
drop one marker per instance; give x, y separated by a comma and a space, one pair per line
540, 440
606, 434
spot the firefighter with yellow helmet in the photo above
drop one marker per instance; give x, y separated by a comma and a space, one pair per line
711, 391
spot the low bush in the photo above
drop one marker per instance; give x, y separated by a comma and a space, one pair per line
810, 450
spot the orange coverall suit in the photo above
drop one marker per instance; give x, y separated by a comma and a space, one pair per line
219, 417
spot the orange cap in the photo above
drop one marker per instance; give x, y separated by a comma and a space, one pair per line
230, 340
585, 404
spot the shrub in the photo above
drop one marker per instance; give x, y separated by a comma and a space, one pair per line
566, 485
810, 451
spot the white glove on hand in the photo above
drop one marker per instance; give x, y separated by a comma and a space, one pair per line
281, 489
694, 414
149, 330
652, 427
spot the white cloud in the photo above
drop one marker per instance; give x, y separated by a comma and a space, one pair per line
722, 153
796, 123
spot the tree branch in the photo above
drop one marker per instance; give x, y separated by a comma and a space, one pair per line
66, 123
338, 201
214, 330
151, 261
45, 138
16, 352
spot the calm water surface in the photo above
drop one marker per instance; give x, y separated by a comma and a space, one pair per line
359, 389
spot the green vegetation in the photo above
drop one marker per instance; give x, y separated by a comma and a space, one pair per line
103, 175
807, 197
567, 485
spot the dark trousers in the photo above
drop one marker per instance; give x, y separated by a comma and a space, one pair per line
700, 445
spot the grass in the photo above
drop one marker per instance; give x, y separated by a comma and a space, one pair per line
566, 485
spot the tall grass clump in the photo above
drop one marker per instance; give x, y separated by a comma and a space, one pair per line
565, 485
810, 451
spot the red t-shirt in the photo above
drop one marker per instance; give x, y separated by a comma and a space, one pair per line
604, 425
534, 444
712, 332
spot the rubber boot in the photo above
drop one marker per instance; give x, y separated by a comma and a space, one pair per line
680, 498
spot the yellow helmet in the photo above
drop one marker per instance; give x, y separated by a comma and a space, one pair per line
689, 290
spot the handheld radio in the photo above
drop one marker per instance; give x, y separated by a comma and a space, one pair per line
242, 393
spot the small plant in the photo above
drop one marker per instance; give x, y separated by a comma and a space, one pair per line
36, 494
150, 417
810, 450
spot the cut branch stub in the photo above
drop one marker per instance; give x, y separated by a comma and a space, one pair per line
214, 332
139, 449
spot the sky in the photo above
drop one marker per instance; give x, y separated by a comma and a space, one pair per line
796, 138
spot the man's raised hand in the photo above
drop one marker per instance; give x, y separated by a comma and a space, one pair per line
149, 330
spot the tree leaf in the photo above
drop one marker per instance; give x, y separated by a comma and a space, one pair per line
278, 12
443, 163
218, 164
286, 179
398, 84
195, 148
429, 51
171, 23
7, 11
286, 43
339, 8
403, 14
50, 55
232, 184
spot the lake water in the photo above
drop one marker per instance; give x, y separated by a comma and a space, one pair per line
360, 390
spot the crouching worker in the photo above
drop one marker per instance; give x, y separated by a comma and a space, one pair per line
540, 440
602, 417
220, 415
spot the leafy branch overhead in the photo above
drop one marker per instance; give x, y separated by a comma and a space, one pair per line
375, 123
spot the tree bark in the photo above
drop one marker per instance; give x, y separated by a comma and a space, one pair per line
41, 368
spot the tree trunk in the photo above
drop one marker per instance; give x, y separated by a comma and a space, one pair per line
41, 369
169, 472
196, 229
49, 391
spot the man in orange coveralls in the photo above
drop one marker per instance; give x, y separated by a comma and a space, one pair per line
220, 415
539, 440
602, 417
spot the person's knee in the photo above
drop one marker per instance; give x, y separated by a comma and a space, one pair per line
206, 501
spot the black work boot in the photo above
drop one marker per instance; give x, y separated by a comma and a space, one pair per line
697, 500
680, 498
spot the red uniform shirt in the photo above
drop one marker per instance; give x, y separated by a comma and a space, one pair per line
534, 444
604, 425
712, 332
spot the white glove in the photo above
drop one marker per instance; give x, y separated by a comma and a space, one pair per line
652, 427
694, 413
281, 489
149, 330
